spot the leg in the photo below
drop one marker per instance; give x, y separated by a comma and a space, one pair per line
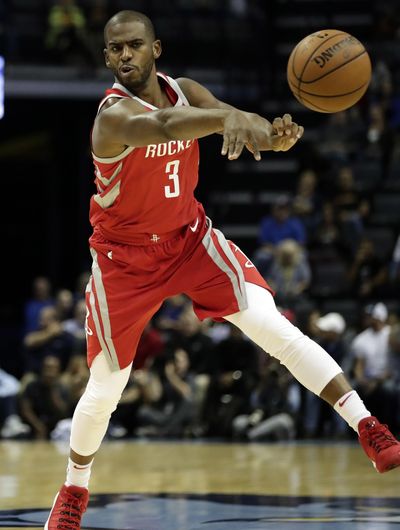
89, 425
94, 409
306, 360
314, 368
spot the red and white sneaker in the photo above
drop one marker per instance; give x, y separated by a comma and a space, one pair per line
68, 507
379, 444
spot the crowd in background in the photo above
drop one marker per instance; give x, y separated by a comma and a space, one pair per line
194, 379
335, 234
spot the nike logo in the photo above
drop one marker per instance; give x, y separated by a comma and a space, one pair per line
80, 468
249, 264
194, 227
341, 403
109, 254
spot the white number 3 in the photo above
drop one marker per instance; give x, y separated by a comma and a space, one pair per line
172, 169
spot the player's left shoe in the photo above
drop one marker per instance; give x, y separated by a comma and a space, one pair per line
380, 445
69, 505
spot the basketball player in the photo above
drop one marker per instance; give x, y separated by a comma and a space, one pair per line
151, 239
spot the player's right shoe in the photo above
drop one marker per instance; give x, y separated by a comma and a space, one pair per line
380, 445
69, 505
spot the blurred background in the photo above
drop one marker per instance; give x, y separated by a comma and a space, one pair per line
322, 222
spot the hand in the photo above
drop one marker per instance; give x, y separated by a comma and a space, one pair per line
285, 133
239, 131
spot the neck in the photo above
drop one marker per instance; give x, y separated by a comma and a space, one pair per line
151, 91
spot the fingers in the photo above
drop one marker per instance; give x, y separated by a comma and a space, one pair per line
286, 127
255, 149
233, 146
225, 145
235, 149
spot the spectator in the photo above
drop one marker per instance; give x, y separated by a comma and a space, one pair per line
306, 201
290, 273
325, 238
139, 405
66, 35
64, 304
351, 209
11, 425
179, 394
276, 227
75, 378
41, 297
339, 137
190, 335
76, 327
49, 339
368, 273
233, 379
373, 377
274, 406
167, 409
45, 401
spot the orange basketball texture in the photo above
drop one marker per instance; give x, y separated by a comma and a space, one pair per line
329, 71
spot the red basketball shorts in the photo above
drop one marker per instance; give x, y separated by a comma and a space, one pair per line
129, 283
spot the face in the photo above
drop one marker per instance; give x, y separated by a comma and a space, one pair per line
131, 53
50, 369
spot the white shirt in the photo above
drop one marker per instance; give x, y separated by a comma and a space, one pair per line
373, 347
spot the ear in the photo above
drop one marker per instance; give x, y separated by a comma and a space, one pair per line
157, 49
106, 60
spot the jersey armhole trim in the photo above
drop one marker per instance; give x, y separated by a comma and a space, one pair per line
113, 159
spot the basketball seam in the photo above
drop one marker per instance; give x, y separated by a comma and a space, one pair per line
316, 106
336, 68
334, 95
314, 50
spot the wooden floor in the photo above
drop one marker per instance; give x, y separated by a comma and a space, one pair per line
283, 485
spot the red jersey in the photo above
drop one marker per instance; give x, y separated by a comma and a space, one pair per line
146, 191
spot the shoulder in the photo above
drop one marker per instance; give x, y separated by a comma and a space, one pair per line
188, 87
116, 113
197, 94
185, 83
116, 106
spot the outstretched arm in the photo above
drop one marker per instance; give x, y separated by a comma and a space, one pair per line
283, 133
127, 123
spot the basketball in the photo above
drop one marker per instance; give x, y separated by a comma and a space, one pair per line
329, 71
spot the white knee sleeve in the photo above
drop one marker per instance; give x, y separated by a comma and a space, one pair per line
100, 399
311, 365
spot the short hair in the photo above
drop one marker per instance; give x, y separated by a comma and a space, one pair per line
130, 16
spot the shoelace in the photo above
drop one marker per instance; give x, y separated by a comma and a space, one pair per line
379, 438
72, 514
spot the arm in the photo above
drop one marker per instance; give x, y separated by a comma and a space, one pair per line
35, 339
127, 123
282, 133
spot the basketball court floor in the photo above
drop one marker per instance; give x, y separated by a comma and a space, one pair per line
146, 485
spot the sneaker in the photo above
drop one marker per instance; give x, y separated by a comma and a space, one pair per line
379, 444
68, 507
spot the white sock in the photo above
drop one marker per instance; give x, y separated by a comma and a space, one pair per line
352, 409
77, 474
